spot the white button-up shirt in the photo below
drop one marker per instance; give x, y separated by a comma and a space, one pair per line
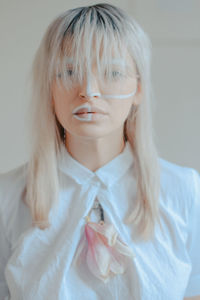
39, 264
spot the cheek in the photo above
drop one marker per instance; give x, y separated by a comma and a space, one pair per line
131, 84
63, 105
120, 109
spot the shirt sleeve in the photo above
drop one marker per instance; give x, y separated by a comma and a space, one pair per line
5, 246
193, 241
5, 250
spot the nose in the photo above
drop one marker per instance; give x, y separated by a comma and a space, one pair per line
89, 88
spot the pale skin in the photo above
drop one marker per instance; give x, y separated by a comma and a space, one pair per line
94, 144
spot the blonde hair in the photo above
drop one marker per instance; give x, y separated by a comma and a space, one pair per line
106, 25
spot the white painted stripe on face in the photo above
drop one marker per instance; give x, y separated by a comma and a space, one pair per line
119, 96
88, 89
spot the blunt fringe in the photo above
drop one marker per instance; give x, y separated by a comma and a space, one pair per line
86, 33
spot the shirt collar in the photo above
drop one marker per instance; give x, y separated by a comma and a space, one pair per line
107, 174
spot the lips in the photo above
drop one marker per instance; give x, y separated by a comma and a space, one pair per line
86, 108
84, 111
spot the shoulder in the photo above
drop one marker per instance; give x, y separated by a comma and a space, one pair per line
176, 176
12, 186
13, 176
179, 184
12, 182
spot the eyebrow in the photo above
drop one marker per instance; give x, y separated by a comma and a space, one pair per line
118, 61
113, 61
69, 59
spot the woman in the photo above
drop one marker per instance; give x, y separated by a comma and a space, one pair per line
95, 213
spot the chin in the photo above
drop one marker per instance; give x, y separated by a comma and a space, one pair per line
90, 133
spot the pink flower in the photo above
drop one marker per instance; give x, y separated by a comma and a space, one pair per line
106, 254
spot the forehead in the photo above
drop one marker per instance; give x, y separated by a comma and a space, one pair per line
111, 52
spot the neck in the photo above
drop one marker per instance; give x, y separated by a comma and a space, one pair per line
93, 153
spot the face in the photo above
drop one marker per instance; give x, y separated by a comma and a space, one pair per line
94, 108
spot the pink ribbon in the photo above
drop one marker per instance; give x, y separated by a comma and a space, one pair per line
106, 254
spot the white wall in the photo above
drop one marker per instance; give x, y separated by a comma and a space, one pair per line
174, 30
